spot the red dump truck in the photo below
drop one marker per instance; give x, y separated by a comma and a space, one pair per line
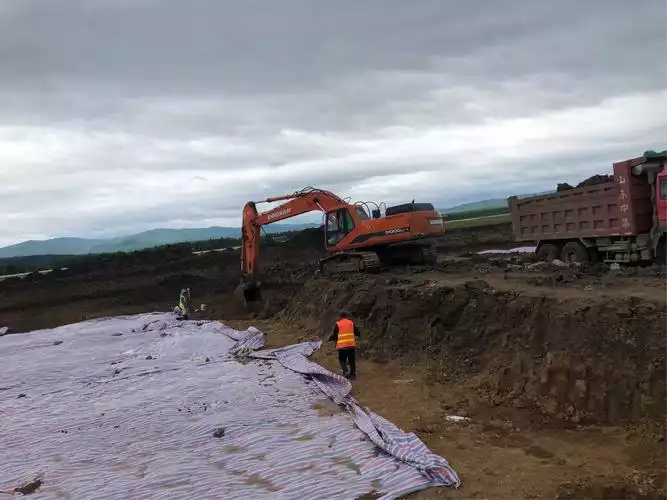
624, 220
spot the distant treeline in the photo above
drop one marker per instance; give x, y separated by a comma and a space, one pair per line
473, 214
16, 265
78, 264
105, 261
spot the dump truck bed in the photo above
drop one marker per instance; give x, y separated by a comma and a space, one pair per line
621, 207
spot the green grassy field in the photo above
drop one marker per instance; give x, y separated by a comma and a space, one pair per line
473, 214
489, 220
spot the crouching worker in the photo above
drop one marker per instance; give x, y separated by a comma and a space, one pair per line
344, 333
182, 310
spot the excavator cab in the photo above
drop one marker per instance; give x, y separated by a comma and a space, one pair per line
338, 224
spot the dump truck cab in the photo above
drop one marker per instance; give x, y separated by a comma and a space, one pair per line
651, 169
661, 199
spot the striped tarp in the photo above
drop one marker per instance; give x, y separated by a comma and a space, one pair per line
406, 447
149, 407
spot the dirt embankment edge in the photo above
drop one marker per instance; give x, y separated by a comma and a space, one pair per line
574, 360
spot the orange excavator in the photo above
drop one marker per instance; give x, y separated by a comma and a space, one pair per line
357, 236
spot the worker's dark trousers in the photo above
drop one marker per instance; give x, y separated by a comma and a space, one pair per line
346, 359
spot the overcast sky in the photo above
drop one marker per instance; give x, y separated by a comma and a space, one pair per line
123, 115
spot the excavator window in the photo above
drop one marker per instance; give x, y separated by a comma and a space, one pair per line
339, 223
663, 189
361, 213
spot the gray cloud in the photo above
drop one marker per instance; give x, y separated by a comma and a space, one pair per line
121, 115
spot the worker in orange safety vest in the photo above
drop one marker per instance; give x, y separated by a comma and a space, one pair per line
344, 333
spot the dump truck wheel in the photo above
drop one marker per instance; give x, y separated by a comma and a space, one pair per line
574, 252
548, 252
661, 251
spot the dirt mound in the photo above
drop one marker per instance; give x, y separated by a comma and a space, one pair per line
576, 360
625, 489
498, 236
308, 238
591, 181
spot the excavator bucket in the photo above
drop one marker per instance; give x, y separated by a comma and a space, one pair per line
249, 295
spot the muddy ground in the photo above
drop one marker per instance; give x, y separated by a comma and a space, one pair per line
560, 372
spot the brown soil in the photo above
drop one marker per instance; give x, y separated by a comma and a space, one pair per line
579, 360
487, 237
501, 452
561, 372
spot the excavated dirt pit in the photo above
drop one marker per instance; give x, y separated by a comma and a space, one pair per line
562, 387
554, 391
575, 360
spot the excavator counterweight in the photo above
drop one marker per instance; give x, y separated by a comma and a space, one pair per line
358, 238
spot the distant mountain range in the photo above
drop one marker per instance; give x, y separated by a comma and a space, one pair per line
146, 239
156, 237
489, 204
477, 205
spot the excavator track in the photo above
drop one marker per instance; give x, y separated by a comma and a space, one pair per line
371, 262
350, 262
429, 255
408, 254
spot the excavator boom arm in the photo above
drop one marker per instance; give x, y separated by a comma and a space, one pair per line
295, 204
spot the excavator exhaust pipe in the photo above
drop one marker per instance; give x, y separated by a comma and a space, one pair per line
250, 296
